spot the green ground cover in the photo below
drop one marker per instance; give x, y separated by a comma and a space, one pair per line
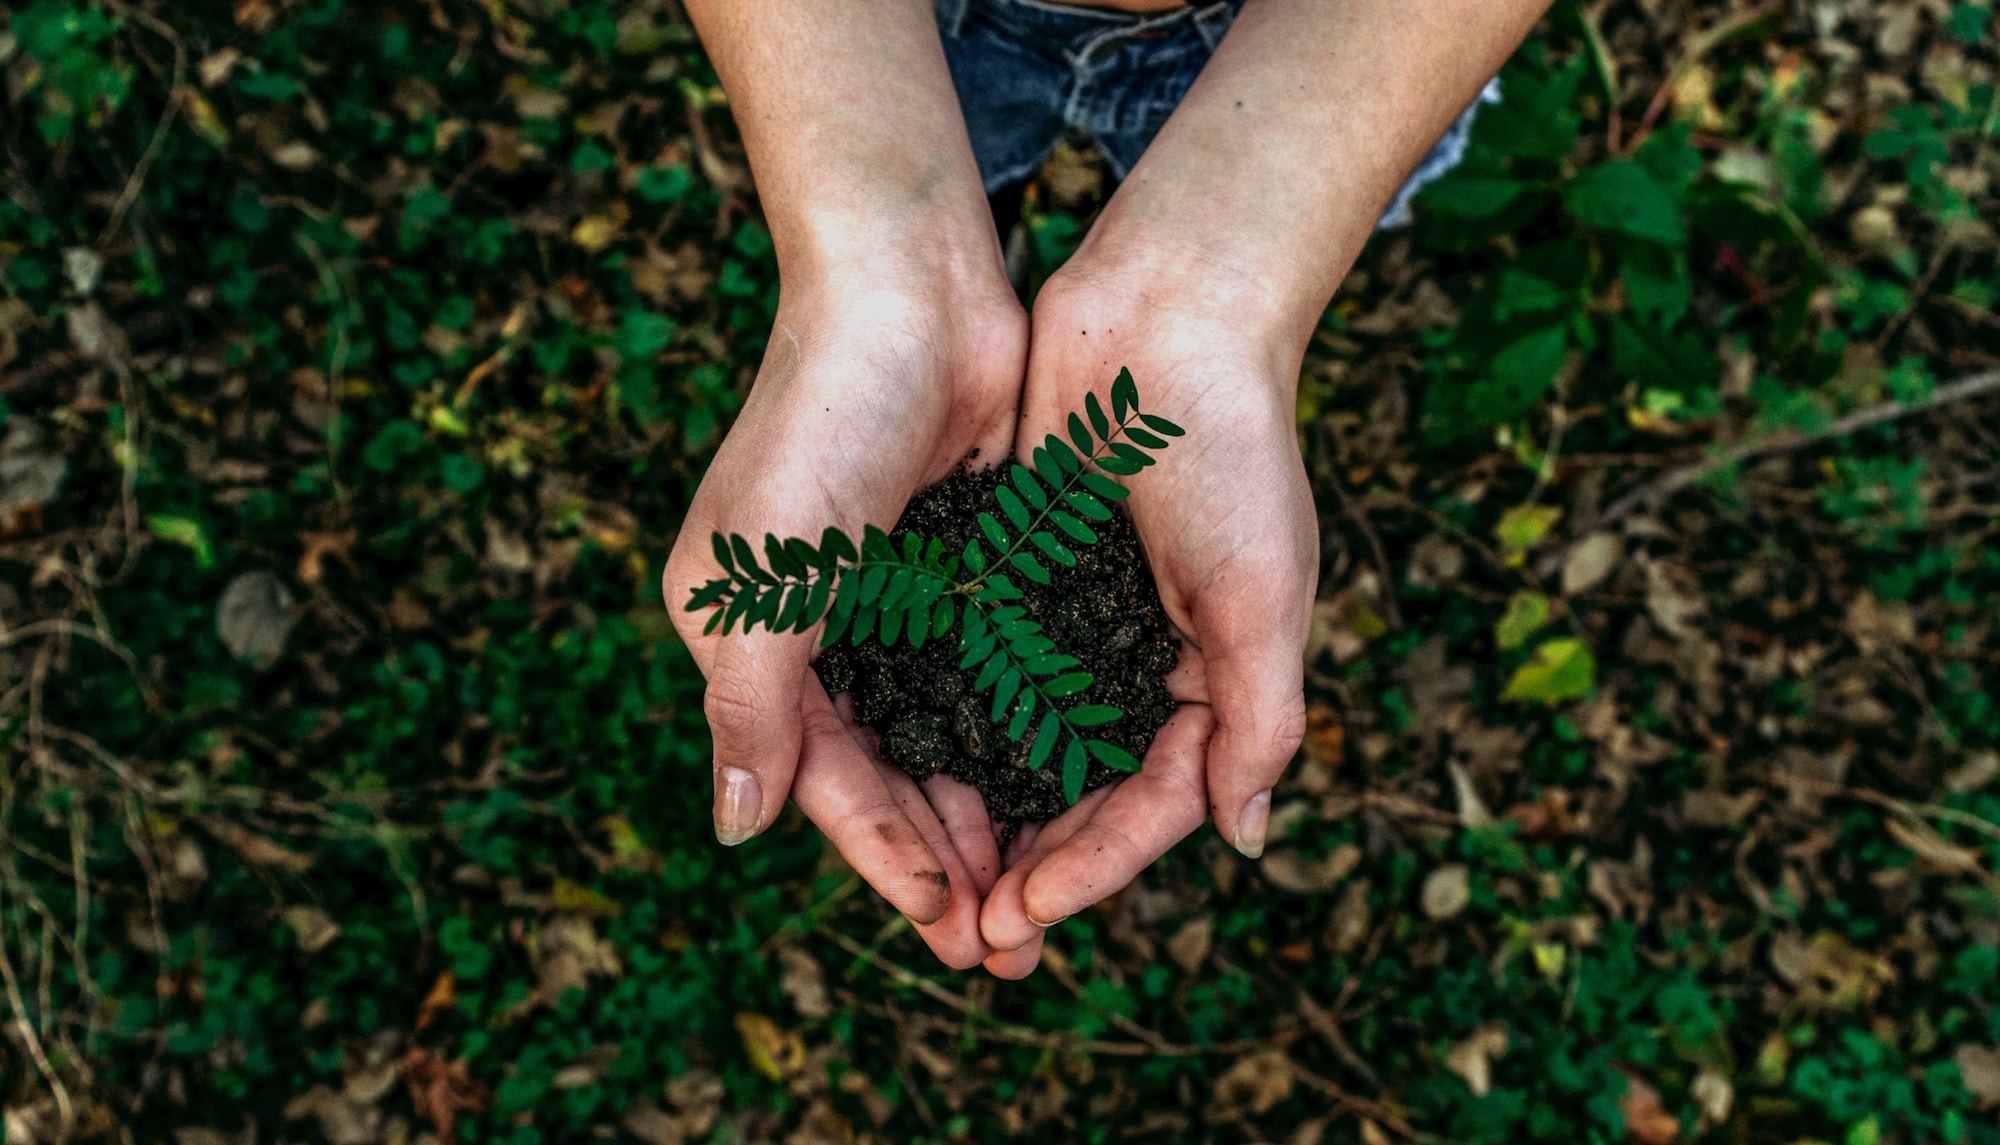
357, 360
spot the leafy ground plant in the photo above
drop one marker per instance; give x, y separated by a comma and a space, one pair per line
920, 592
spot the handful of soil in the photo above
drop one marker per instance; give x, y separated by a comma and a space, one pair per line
1105, 611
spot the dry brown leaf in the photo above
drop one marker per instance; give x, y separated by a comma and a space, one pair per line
313, 927
443, 996
1646, 1118
1251, 1087
442, 1090
1589, 561
1472, 1058
804, 984
1190, 944
1979, 1070
1287, 870
1447, 891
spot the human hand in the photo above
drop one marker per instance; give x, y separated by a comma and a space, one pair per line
874, 386
1227, 521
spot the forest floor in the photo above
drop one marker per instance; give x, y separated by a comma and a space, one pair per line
357, 361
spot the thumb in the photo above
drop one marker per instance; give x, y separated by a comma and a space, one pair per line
1257, 691
755, 683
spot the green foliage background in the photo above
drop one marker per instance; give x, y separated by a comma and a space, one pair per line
358, 359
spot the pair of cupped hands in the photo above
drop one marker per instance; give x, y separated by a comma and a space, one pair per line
882, 377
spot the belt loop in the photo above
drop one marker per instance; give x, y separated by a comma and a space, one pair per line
1213, 22
950, 16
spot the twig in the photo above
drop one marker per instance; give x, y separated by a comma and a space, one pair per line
175, 96
1964, 389
1351, 1103
1327, 1026
1359, 515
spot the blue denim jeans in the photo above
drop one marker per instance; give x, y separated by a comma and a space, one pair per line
1028, 73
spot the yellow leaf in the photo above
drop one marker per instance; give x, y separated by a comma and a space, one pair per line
775, 1052
206, 123
581, 899
594, 232
1550, 958
1526, 612
1523, 527
1562, 669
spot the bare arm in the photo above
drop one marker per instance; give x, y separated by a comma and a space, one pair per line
1205, 275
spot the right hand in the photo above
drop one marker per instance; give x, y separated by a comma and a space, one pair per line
872, 388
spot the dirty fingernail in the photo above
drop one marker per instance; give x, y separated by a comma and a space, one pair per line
1039, 922
1250, 827
739, 801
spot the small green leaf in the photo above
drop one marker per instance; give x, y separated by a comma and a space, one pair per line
1162, 425
875, 545
836, 627
1526, 612
1124, 395
1098, 421
1104, 486
990, 525
1119, 466
864, 623
977, 651
942, 614
1522, 528
722, 557
1010, 683
1029, 488
782, 561
1030, 567
1065, 457
1093, 715
975, 627
1048, 663
913, 547
795, 603
1111, 755
1011, 505
807, 556
1141, 437
872, 580
708, 594
1022, 712
1079, 436
1088, 505
746, 561
1068, 685
1053, 549
975, 557
1077, 530
892, 627
1075, 765
1562, 669
899, 587
835, 544
1001, 588
739, 607
1047, 469
990, 673
1045, 739
847, 593
822, 588
714, 622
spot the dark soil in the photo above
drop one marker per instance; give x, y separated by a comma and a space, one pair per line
1105, 611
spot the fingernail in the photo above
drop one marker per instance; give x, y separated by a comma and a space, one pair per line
1250, 828
738, 804
1039, 922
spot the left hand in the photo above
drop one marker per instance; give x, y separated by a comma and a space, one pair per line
1226, 518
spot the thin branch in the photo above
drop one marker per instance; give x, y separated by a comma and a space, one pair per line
175, 97
1964, 389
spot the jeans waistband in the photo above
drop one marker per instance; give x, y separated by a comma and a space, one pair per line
1078, 30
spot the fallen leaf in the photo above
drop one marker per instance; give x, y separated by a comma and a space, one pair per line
1522, 528
1979, 1071
1646, 1118
1714, 1095
804, 984
1588, 562
443, 996
1472, 1058
774, 1051
341, 1120
1562, 669
1472, 810
442, 1090
1190, 944
1447, 891
215, 68
1526, 612
1251, 1087
255, 615
573, 896
1287, 870
314, 928
31, 471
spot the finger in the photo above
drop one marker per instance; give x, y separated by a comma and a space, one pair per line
1257, 689
963, 813
1142, 820
1014, 965
841, 790
954, 937
1003, 921
755, 685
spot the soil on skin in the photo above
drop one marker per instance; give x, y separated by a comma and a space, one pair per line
1105, 611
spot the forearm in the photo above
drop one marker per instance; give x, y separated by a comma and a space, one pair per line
853, 131
1269, 177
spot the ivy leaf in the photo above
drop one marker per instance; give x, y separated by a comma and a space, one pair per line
1562, 669
1526, 612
